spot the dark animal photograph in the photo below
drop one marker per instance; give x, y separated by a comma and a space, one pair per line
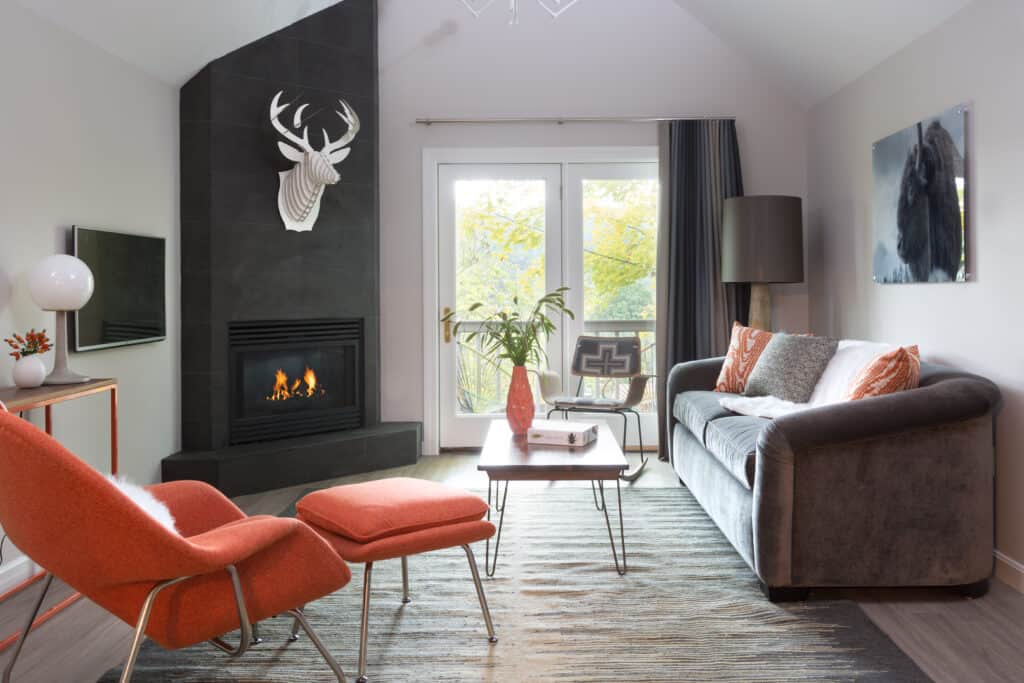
919, 217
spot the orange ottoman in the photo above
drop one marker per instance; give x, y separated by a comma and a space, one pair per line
389, 518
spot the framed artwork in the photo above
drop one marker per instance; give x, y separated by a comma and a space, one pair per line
920, 190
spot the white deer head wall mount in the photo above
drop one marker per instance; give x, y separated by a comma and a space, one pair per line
302, 187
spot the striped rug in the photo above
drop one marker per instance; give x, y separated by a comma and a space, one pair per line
688, 610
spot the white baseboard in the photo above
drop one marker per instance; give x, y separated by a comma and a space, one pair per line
16, 571
1010, 571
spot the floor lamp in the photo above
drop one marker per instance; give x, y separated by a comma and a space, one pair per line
762, 243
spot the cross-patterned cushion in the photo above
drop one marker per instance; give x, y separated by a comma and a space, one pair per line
607, 357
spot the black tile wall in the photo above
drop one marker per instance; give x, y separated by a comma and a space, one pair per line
238, 262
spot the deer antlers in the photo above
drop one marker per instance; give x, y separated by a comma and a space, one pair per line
348, 115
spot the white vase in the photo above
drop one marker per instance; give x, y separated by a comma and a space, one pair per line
29, 372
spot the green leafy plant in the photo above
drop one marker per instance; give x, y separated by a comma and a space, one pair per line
510, 335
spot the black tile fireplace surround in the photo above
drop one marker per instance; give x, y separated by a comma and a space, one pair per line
256, 298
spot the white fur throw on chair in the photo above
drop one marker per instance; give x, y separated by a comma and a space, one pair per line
146, 501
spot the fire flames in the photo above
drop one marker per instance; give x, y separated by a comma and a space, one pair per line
300, 387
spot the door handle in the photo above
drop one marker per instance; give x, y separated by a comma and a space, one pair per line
447, 325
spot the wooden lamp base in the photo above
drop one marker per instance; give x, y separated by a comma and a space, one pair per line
761, 306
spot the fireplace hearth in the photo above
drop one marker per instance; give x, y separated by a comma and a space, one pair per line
294, 377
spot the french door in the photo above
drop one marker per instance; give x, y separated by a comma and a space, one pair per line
508, 233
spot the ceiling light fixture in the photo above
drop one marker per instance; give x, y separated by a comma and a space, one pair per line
553, 7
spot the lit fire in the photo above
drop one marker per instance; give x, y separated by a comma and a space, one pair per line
301, 387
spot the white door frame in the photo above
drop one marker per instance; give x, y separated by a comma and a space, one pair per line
433, 158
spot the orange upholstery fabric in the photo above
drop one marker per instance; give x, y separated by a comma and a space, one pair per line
745, 347
388, 507
897, 370
413, 543
68, 518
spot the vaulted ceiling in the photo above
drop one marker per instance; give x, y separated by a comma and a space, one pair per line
173, 39
815, 47
811, 48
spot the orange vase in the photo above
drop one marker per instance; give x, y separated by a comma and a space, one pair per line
519, 408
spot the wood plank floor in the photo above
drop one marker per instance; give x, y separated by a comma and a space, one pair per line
952, 639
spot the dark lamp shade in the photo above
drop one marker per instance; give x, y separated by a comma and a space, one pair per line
762, 239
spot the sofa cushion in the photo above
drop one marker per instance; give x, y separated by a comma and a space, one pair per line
696, 408
790, 367
745, 347
898, 370
733, 442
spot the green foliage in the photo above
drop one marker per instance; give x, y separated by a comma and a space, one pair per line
500, 233
620, 248
500, 243
512, 336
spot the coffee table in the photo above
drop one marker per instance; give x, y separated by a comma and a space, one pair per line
508, 458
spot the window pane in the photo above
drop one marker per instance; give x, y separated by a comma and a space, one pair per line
620, 229
620, 223
499, 235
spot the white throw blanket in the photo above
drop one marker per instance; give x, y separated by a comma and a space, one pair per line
850, 357
761, 406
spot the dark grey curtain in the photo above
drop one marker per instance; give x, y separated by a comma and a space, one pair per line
700, 168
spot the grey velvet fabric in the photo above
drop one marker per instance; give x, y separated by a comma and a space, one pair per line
693, 376
790, 367
895, 490
733, 442
696, 409
725, 500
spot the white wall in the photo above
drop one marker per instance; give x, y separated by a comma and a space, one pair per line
89, 140
438, 61
975, 57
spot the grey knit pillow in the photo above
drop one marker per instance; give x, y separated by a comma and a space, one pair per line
790, 366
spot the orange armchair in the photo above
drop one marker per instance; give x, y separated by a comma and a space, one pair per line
225, 571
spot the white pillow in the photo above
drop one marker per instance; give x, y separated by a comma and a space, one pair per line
146, 502
850, 357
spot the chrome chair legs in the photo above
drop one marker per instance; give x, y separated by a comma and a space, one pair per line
365, 621
249, 631
140, 627
405, 581
300, 619
364, 624
480, 594
28, 627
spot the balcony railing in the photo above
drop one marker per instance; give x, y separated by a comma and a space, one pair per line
483, 380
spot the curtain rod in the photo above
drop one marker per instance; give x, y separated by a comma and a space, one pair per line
570, 119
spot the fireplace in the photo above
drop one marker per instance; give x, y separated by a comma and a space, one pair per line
290, 378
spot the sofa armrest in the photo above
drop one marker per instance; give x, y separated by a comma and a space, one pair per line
893, 490
693, 375
951, 400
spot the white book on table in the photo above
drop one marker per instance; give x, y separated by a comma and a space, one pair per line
561, 433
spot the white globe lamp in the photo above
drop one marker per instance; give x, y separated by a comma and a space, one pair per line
61, 283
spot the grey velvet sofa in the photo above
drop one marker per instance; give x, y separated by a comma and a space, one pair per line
896, 490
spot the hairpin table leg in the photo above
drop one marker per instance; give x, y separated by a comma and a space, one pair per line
622, 529
489, 567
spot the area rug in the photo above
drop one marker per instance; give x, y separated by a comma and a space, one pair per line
688, 610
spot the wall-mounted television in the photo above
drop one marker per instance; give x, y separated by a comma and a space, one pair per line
129, 303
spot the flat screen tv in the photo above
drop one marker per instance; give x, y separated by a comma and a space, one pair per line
128, 305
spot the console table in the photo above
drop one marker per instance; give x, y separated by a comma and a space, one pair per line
46, 396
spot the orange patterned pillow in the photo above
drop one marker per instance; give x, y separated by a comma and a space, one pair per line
745, 348
894, 371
